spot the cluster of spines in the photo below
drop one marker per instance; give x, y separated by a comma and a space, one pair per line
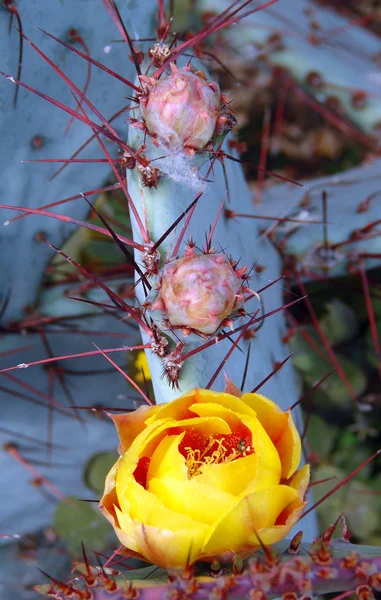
297, 574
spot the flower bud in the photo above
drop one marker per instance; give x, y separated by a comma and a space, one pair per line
181, 109
199, 292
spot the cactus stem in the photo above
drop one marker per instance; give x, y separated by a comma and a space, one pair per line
126, 253
228, 354
230, 333
266, 576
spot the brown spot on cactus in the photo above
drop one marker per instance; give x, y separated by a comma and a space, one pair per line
199, 292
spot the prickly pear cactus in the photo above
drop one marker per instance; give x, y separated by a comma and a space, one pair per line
330, 63
329, 55
324, 567
348, 204
179, 182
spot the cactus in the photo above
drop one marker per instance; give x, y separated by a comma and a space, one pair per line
178, 180
334, 249
29, 135
327, 54
304, 571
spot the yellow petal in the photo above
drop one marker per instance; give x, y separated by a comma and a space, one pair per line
216, 409
109, 498
144, 506
180, 408
129, 425
281, 429
198, 501
253, 514
224, 400
167, 459
286, 520
162, 547
141, 367
300, 480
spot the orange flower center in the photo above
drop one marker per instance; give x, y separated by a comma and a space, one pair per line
200, 449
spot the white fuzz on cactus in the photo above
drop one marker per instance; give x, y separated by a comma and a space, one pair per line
198, 292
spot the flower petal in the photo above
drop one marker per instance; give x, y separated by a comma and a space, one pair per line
109, 498
167, 459
300, 480
216, 409
281, 429
224, 400
197, 500
129, 425
254, 514
160, 546
180, 408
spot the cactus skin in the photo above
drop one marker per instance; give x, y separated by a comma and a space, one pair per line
161, 207
23, 258
27, 184
335, 567
353, 203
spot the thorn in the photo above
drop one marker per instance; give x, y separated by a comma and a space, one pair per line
295, 543
276, 369
343, 482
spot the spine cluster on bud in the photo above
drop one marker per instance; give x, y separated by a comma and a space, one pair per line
182, 110
198, 292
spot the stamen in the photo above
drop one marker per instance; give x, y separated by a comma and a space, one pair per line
195, 459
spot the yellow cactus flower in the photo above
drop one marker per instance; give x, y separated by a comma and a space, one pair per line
204, 477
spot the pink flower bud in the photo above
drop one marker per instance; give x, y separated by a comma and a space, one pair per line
199, 292
181, 109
